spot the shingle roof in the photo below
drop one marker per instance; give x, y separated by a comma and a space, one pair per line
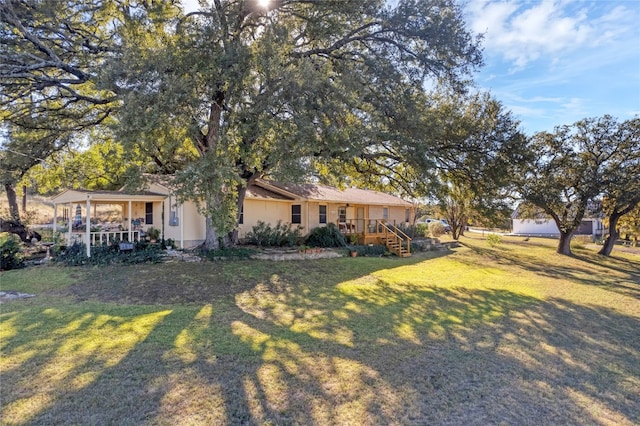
271, 190
255, 191
331, 194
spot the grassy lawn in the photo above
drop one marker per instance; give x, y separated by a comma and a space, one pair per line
508, 335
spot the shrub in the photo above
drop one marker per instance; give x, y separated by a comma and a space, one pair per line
153, 233
10, 256
326, 236
580, 241
417, 230
262, 234
76, 254
228, 253
168, 243
494, 239
436, 229
366, 250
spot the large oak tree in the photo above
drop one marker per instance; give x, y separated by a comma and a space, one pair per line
273, 90
574, 166
621, 192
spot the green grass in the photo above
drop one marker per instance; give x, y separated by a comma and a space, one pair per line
508, 334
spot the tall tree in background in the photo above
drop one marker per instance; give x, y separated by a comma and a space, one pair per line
621, 192
20, 150
629, 225
478, 148
571, 169
265, 90
52, 87
51, 53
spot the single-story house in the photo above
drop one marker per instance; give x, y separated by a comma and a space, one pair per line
364, 213
545, 226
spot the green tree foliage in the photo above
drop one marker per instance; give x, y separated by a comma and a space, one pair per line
20, 150
52, 54
275, 90
474, 148
103, 165
50, 59
574, 165
10, 256
629, 225
621, 192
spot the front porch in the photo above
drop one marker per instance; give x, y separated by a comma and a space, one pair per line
139, 212
378, 232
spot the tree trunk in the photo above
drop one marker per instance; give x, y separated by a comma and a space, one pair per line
14, 213
612, 237
211, 236
454, 230
564, 247
24, 199
18, 228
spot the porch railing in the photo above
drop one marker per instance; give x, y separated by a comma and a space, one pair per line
395, 239
105, 237
364, 226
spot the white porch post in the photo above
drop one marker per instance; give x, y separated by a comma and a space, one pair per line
70, 224
87, 237
181, 219
55, 218
130, 224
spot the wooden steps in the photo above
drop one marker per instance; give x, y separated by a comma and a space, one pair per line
395, 246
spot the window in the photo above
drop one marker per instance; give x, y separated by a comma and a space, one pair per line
406, 215
385, 213
148, 213
241, 218
296, 213
342, 214
323, 214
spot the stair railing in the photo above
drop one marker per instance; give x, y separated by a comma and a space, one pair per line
399, 237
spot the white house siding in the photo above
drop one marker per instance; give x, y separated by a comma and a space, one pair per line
535, 227
591, 227
267, 211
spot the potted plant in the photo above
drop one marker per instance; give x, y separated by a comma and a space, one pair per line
154, 234
353, 238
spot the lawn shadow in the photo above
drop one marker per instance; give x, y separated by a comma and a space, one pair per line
272, 349
457, 356
613, 273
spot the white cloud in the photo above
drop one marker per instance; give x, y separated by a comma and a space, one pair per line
522, 33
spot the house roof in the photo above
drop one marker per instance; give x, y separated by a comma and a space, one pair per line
260, 189
259, 192
330, 194
81, 195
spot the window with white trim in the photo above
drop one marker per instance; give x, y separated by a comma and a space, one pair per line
322, 216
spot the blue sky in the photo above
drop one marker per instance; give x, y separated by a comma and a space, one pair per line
555, 62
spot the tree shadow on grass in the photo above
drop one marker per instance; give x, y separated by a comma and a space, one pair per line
615, 274
364, 352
